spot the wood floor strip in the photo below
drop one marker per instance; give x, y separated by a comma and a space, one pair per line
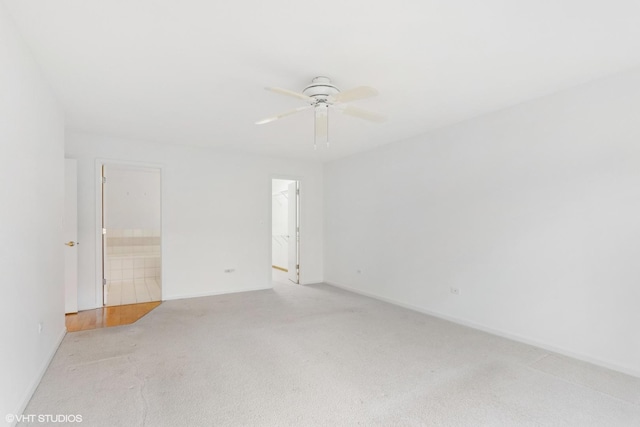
108, 316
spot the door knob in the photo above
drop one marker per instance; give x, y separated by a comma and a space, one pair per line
71, 243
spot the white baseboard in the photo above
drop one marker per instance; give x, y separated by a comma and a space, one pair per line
198, 295
212, 293
311, 282
515, 337
34, 385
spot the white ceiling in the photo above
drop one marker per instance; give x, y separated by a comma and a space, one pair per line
193, 71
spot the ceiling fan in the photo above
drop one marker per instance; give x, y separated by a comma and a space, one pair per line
322, 95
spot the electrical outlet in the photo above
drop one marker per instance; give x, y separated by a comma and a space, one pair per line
455, 291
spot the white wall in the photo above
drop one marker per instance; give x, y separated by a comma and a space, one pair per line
216, 215
31, 191
132, 198
532, 212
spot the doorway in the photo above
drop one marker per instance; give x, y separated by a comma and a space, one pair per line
131, 235
285, 231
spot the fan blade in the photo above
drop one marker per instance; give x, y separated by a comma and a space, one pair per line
360, 113
290, 93
322, 126
285, 114
361, 92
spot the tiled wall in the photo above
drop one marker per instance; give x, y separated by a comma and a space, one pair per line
132, 254
133, 241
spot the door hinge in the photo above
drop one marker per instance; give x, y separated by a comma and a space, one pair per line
104, 231
104, 179
104, 282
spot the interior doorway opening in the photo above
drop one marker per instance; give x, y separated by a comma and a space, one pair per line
131, 234
285, 227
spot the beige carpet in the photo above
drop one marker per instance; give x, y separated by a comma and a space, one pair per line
317, 355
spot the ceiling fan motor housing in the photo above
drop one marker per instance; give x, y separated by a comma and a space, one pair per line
321, 89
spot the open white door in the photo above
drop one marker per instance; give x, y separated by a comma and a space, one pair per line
294, 233
70, 236
103, 181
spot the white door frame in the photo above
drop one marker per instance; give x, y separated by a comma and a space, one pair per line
99, 275
71, 235
300, 223
293, 245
